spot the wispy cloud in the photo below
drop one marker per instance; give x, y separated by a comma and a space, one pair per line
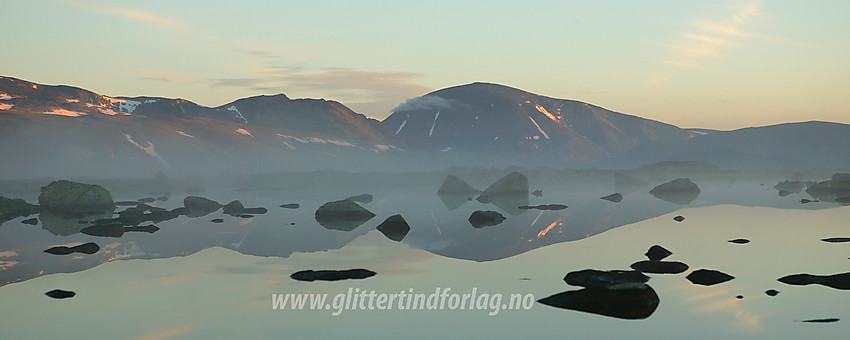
708, 39
141, 16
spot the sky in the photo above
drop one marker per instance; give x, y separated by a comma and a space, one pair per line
695, 64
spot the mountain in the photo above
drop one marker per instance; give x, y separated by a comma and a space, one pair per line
67, 131
784, 146
498, 125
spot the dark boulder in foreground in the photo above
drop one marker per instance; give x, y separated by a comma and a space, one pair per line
679, 218
615, 197
679, 191
394, 228
290, 206
74, 196
828, 320
544, 207
633, 303
592, 278
236, 209
837, 281
739, 241
659, 267
657, 253
332, 275
481, 218
197, 206
707, 277
342, 215
85, 248
60, 294
364, 198
836, 239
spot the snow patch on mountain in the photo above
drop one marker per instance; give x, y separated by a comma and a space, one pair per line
150, 149
4, 106
538, 128
5, 96
238, 114
430, 133
244, 132
184, 134
63, 112
71, 100
402, 125
543, 111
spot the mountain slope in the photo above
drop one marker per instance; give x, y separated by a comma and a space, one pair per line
494, 122
790, 146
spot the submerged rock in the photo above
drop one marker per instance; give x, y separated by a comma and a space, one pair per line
837, 281
342, 215
657, 253
481, 218
394, 228
615, 197
68, 195
633, 303
739, 241
197, 206
364, 198
659, 267
85, 248
60, 294
679, 191
707, 277
592, 278
544, 207
332, 275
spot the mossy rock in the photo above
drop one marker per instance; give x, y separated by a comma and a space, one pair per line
68, 195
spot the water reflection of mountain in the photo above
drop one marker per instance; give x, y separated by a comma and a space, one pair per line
434, 227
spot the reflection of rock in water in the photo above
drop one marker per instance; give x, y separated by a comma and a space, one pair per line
592, 278
394, 228
638, 302
60, 294
789, 187
454, 192
235, 208
507, 193
197, 206
659, 267
342, 215
332, 275
679, 191
836, 189
615, 197
707, 277
783, 193
537, 193
64, 223
543, 207
362, 198
12, 208
657, 253
837, 281
481, 218
85, 248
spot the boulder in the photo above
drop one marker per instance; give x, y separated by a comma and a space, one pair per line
739, 241
197, 206
342, 215
611, 279
634, 303
659, 267
707, 277
12, 208
772, 292
332, 275
836, 239
60, 294
679, 218
837, 281
481, 218
290, 206
74, 196
236, 209
394, 228
85, 248
657, 253
679, 191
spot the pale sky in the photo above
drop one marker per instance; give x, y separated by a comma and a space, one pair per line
708, 64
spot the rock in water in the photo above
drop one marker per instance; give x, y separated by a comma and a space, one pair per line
236, 209
544, 207
679, 191
659, 267
30, 221
706, 277
197, 206
739, 241
11, 208
332, 275
836, 239
828, 320
60, 294
657, 253
104, 230
217, 220
290, 206
85, 248
364, 198
514, 183
615, 197
837, 281
394, 228
481, 218
634, 303
772, 292
74, 196
342, 215
592, 278
679, 218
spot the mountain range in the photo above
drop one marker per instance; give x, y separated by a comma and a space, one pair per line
48, 130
